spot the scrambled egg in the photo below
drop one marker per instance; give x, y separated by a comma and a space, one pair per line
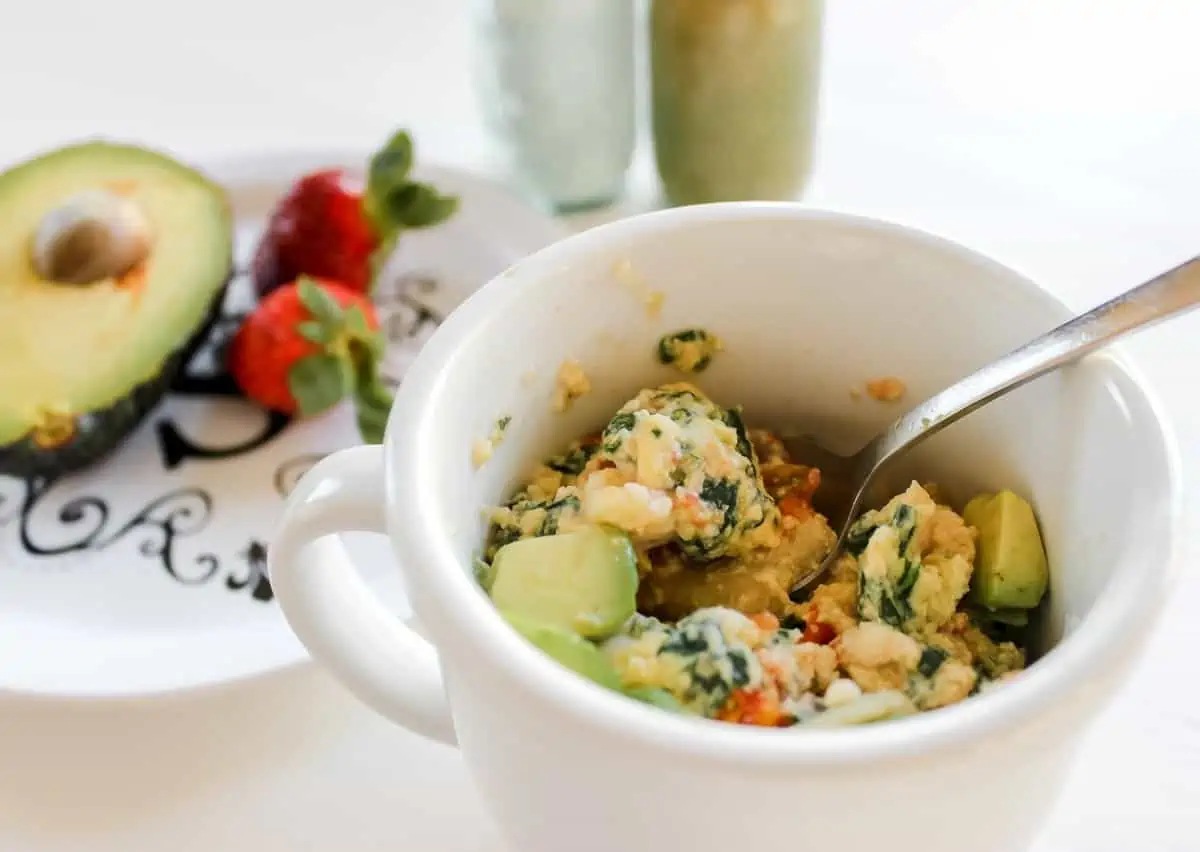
915, 562
723, 526
671, 467
718, 661
675, 467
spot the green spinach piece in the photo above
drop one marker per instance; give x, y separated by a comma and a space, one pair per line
904, 520
894, 611
722, 495
931, 660
668, 346
733, 419
714, 669
554, 510
793, 622
857, 537
912, 572
573, 461
613, 434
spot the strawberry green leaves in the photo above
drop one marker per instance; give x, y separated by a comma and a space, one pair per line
390, 165
345, 365
356, 323
372, 403
324, 308
319, 382
372, 399
314, 332
420, 205
393, 203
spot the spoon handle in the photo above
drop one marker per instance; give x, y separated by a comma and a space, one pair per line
1172, 292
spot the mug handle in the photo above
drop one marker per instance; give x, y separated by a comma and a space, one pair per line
341, 622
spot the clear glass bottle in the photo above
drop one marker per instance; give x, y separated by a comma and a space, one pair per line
556, 80
734, 97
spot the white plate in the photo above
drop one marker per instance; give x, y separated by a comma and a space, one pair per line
144, 574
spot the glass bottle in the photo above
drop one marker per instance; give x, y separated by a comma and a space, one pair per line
734, 97
556, 80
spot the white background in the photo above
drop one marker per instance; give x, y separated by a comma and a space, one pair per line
1061, 136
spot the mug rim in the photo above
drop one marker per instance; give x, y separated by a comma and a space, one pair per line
1099, 651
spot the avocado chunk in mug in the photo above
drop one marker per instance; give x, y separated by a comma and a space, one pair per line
568, 648
584, 581
656, 696
1011, 571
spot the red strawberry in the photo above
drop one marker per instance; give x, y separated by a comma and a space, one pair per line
330, 226
317, 229
307, 346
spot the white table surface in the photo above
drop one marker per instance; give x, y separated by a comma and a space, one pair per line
1061, 136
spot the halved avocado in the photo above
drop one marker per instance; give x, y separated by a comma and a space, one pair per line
114, 261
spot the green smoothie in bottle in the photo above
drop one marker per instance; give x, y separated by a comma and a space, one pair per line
734, 104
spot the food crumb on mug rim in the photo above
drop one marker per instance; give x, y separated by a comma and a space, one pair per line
886, 389
689, 350
570, 383
482, 448
652, 300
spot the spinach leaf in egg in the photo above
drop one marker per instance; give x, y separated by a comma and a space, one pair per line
733, 419
554, 512
858, 535
616, 430
912, 572
894, 611
669, 350
573, 461
904, 519
931, 660
722, 496
714, 668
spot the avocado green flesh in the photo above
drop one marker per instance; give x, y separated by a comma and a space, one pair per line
1011, 569
571, 650
584, 581
81, 349
656, 696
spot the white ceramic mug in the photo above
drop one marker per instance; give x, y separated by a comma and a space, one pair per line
809, 305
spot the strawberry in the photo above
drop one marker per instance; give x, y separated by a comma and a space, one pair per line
308, 345
317, 229
330, 225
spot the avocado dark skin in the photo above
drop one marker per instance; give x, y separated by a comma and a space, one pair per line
98, 433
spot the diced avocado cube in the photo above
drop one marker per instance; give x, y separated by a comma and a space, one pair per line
1011, 570
584, 581
656, 696
568, 648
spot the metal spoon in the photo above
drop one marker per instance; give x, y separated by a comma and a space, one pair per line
846, 481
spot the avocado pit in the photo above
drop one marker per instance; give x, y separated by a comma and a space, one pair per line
93, 236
